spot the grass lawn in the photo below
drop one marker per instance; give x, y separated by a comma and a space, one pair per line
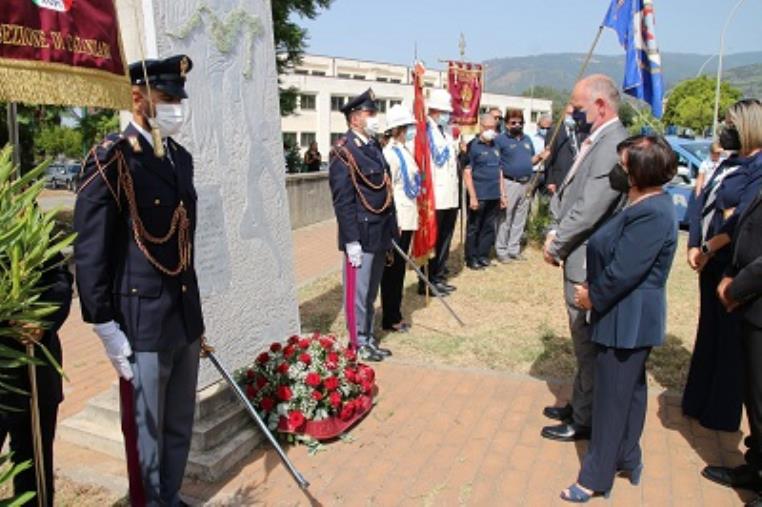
515, 320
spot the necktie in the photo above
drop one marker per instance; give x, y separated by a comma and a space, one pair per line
584, 149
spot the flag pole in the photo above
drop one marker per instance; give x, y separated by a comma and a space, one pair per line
13, 135
715, 122
534, 182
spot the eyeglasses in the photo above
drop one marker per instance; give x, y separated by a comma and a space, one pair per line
497, 118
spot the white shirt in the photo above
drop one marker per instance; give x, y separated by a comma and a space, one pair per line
405, 207
444, 177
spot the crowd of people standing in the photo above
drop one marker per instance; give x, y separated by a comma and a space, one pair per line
614, 234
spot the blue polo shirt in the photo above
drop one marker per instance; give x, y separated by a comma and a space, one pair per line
515, 156
484, 160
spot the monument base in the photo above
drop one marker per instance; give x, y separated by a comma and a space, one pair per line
223, 432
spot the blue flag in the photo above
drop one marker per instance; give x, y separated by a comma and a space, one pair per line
633, 21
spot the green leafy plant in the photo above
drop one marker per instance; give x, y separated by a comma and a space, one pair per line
27, 245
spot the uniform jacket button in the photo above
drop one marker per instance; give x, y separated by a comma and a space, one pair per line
157, 201
185, 288
134, 290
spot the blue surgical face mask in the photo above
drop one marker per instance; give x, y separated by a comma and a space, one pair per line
410, 133
444, 119
543, 132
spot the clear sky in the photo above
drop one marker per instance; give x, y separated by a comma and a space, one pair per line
388, 30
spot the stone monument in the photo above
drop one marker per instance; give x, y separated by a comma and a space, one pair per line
243, 253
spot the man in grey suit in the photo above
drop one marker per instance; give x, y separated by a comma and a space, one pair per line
583, 201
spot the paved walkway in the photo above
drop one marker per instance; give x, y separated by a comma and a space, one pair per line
437, 436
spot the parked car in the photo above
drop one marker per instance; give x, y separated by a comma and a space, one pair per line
690, 153
62, 176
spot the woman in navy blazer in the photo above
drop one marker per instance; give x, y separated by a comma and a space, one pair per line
628, 262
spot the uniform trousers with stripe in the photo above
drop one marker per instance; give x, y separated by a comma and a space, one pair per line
360, 291
164, 394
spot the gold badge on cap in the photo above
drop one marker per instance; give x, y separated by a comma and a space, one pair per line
184, 64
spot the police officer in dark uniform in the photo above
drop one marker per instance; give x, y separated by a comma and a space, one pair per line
135, 217
362, 198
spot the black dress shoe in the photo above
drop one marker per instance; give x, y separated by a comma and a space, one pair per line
474, 265
744, 476
442, 290
566, 432
558, 413
368, 354
484, 262
378, 350
401, 327
448, 287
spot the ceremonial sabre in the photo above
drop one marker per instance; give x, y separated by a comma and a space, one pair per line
208, 352
431, 286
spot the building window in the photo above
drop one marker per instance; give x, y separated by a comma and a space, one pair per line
344, 76
307, 102
395, 81
381, 105
394, 102
318, 73
430, 84
359, 77
382, 79
289, 139
335, 136
307, 138
337, 102
301, 72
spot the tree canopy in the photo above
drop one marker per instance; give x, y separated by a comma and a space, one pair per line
290, 39
691, 103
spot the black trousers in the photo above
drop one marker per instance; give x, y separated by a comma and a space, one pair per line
714, 389
751, 337
446, 219
619, 412
19, 427
480, 231
392, 282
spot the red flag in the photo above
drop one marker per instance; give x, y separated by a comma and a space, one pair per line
425, 237
465, 82
62, 52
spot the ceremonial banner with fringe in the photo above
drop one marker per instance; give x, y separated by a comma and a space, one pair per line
425, 238
465, 82
66, 52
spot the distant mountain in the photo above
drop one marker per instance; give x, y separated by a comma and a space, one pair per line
747, 78
515, 75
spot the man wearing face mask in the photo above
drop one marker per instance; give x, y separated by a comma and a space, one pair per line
135, 217
517, 158
363, 201
444, 174
562, 152
482, 177
583, 201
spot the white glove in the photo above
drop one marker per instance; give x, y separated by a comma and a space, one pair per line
117, 347
354, 253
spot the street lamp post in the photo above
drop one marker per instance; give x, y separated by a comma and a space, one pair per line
701, 69
719, 68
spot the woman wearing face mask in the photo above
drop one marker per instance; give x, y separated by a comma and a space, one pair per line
713, 392
628, 261
406, 182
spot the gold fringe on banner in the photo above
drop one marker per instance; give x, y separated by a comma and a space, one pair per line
36, 82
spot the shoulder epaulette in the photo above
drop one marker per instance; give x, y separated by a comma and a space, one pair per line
135, 143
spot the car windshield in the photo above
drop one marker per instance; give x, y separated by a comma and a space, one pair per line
700, 150
72, 169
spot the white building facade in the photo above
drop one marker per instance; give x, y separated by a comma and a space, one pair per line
326, 83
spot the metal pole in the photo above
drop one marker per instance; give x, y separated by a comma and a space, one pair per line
13, 135
715, 121
701, 69
534, 182
425, 280
208, 352
34, 411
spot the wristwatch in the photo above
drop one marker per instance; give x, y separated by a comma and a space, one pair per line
705, 248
